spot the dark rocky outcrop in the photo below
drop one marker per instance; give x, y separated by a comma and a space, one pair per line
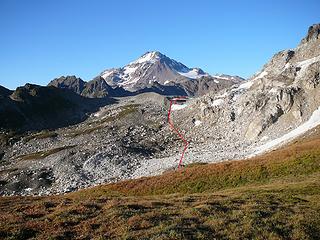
313, 33
4, 92
168, 90
96, 88
99, 88
69, 82
33, 107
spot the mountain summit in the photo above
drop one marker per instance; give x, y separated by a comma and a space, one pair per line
151, 67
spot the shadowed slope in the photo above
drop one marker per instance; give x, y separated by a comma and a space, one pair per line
33, 107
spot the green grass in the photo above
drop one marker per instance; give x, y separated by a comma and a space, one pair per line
41, 135
281, 211
127, 109
79, 132
42, 154
124, 111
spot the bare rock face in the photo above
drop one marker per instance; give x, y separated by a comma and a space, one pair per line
69, 82
204, 85
276, 100
313, 33
96, 88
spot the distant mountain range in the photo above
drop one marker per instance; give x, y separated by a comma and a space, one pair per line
69, 99
152, 72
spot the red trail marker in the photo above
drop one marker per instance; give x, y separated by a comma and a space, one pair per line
172, 101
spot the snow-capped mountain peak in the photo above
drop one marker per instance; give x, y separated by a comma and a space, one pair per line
148, 57
156, 68
151, 67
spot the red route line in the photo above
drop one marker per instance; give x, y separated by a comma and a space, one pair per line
177, 130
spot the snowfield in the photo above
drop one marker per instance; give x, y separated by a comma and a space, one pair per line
148, 57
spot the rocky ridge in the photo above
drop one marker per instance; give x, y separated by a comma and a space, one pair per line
96, 88
34, 107
246, 119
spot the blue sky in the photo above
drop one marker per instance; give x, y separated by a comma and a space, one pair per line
41, 40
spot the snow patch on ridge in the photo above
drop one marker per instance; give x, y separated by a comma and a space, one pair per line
248, 84
260, 75
192, 73
106, 73
129, 70
245, 85
313, 121
221, 77
308, 62
305, 64
175, 107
